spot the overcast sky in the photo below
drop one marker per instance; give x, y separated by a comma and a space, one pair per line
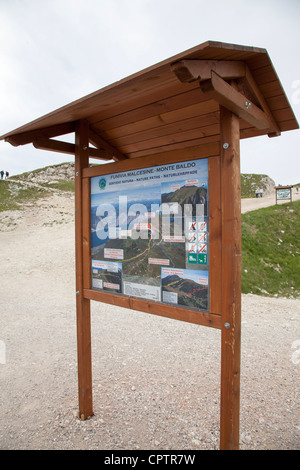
53, 52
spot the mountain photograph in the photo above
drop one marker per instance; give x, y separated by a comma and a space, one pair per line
187, 195
189, 293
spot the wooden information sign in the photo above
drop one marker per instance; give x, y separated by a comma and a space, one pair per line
283, 193
205, 291
158, 227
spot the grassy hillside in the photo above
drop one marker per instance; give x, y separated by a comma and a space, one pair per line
271, 250
249, 183
42, 181
20, 189
13, 196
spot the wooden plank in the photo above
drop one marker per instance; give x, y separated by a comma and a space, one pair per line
256, 91
222, 51
156, 144
136, 93
43, 143
86, 232
228, 97
164, 310
246, 131
285, 114
249, 132
82, 303
265, 75
199, 141
165, 117
47, 132
143, 106
215, 234
188, 70
273, 89
162, 118
231, 280
289, 125
110, 151
53, 145
155, 108
277, 102
258, 61
201, 151
176, 128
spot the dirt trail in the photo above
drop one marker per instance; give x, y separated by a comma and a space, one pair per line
251, 204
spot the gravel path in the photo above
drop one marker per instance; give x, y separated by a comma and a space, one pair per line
251, 204
155, 380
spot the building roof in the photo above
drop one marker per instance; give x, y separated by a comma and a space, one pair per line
174, 104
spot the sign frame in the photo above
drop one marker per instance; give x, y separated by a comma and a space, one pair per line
288, 191
207, 318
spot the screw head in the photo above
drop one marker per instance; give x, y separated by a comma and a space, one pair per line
227, 325
225, 145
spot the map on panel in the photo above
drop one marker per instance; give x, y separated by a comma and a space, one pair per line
150, 233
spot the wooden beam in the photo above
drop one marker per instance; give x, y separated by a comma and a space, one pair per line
111, 152
231, 280
201, 151
46, 132
178, 313
254, 88
190, 70
248, 87
226, 95
43, 143
41, 140
82, 304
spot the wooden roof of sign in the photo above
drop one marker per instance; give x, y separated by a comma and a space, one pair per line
289, 186
171, 105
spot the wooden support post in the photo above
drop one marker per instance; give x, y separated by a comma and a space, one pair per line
82, 304
231, 280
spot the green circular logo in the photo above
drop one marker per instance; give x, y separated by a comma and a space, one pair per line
102, 183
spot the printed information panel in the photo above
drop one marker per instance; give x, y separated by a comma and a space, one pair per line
283, 193
150, 233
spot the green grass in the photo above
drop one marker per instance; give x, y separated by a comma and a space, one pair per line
271, 251
13, 196
6, 200
63, 185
